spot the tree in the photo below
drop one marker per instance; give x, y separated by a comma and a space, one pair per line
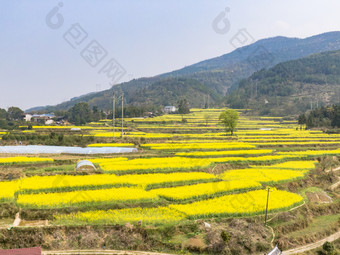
326, 117
226, 236
80, 114
97, 115
336, 116
207, 117
15, 113
302, 119
3, 114
328, 247
183, 106
229, 119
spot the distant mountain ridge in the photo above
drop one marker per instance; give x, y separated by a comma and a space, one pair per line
213, 77
241, 63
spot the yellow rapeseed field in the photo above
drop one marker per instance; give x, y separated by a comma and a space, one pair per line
64, 199
297, 165
262, 175
310, 153
105, 160
7, 190
166, 170
199, 146
68, 182
132, 215
223, 153
111, 145
205, 189
268, 158
12, 160
248, 203
154, 164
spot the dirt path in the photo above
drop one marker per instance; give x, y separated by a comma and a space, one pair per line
319, 243
102, 252
334, 170
17, 220
273, 238
312, 246
335, 185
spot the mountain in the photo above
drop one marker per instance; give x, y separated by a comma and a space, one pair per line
291, 87
214, 77
227, 70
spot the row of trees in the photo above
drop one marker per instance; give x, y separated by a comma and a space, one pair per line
322, 117
13, 113
9, 119
81, 114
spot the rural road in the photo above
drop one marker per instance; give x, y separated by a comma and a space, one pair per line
319, 243
312, 246
101, 252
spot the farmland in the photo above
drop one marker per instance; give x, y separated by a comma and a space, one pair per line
187, 170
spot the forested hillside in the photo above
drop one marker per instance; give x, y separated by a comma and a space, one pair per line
212, 78
291, 87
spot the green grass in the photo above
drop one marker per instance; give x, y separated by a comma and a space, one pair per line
179, 183
336, 244
319, 224
73, 188
309, 189
5, 222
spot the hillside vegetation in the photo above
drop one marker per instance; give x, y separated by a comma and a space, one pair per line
213, 77
291, 87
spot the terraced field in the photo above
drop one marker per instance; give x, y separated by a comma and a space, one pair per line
183, 170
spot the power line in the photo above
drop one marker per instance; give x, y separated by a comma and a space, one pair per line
122, 112
113, 114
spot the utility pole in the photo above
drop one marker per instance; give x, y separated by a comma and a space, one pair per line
122, 113
113, 114
265, 220
256, 89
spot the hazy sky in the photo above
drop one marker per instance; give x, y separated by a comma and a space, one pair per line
47, 59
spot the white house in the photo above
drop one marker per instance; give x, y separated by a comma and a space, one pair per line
169, 109
49, 122
43, 118
28, 117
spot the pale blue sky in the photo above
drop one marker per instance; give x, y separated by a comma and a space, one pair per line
147, 37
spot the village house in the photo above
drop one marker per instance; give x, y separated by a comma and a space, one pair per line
169, 109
